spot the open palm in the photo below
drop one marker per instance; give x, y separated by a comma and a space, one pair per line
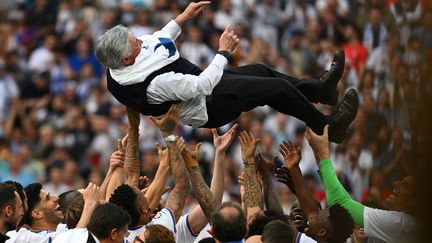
290, 153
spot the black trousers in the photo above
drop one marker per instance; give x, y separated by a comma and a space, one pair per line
244, 88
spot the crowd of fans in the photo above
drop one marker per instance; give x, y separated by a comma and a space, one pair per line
59, 124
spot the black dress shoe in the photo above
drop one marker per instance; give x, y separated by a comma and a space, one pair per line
331, 78
343, 117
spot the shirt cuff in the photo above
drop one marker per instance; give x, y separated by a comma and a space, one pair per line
220, 61
173, 28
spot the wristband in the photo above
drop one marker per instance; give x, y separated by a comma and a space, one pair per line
170, 138
226, 54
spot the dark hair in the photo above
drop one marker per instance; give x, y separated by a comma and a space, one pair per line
107, 217
231, 227
18, 188
207, 240
7, 198
342, 223
32, 192
277, 232
257, 225
125, 197
66, 199
74, 212
157, 233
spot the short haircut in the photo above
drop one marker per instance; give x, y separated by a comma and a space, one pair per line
32, 192
158, 233
257, 225
67, 198
342, 223
74, 212
113, 46
125, 197
7, 198
18, 188
277, 232
230, 227
207, 240
105, 218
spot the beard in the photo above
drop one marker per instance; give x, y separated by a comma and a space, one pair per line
11, 225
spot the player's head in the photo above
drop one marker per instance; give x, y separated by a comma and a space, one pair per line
154, 234
402, 198
11, 208
229, 222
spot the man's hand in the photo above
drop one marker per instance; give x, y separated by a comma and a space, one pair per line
122, 144
168, 123
283, 175
192, 10
191, 157
248, 145
290, 153
319, 144
133, 117
264, 165
116, 160
228, 40
92, 195
222, 143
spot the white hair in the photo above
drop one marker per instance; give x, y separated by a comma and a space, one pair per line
113, 46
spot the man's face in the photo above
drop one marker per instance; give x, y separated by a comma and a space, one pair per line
318, 224
50, 207
297, 217
17, 215
143, 205
403, 192
135, 45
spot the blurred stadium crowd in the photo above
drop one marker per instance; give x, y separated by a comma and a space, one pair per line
59, 124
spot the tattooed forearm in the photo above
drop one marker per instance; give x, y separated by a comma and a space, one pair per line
205, 197
178, 196
132, 164
252, 187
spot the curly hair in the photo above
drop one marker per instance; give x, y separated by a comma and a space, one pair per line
342, 222
125, 197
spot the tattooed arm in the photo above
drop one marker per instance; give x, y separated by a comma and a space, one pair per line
265, 169
253, 199
132, 163
177, 197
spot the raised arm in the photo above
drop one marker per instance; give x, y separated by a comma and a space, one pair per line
177, 197
335, 192
199, 216
92, 195
253, 199
157, 187
118, 174
265, 168
132, 164
178, 86
292, 157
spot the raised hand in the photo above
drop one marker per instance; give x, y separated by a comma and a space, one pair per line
92, 195
142, 183
283, 175
248, 145
191, 157
222, 143
192, 10
122, 144
228, 40
290, 153
116, 160
319, 144
264, 165
169, 122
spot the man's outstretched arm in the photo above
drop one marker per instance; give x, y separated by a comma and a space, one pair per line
335, 192
177, 197
132, 163
292, 157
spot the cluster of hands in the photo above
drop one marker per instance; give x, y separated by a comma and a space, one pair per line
228, 40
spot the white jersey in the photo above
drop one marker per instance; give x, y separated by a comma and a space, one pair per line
184, 231
388, 226
77, 235
303, 238
24, 235
164, 217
